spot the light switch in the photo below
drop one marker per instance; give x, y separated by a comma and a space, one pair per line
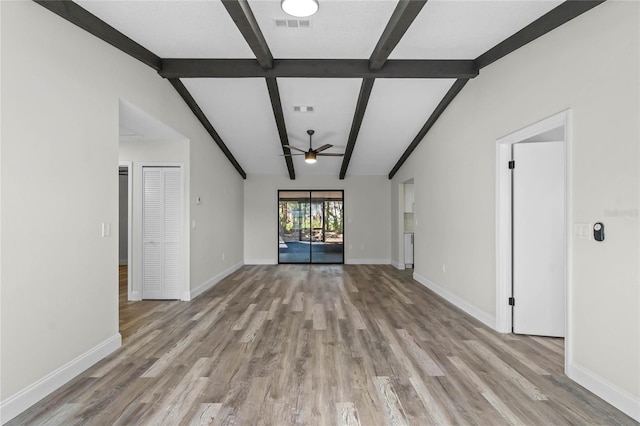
106, 229
581, 230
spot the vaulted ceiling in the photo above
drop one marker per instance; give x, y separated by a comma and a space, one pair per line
377, 73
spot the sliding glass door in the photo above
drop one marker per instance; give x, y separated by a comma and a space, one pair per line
310, 226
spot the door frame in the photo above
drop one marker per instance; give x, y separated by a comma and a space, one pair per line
561, 120
129, 167
139, 243
310, 191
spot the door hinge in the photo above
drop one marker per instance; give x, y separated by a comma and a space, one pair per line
512, 301
512, 164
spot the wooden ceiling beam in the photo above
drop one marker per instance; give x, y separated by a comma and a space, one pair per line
244, 19
276, 105
403, 16
193, 105
105, 32
361, 107
444, 103
551, 20
317, 68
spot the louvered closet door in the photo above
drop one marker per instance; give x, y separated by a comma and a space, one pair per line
162, 263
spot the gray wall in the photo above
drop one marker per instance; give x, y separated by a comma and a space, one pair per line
59, 275
591, 65
367, 212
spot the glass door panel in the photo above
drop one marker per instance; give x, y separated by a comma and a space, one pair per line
294, 232
327, 246
310, 227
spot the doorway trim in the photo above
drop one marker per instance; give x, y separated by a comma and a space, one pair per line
561, 120
129, 166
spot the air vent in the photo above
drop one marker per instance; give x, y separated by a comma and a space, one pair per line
303, 108
293, 23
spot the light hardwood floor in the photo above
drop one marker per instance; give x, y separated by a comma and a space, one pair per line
334, 345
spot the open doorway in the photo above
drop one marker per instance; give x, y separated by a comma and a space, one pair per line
144, 140
124, 230
408, 240
405, 226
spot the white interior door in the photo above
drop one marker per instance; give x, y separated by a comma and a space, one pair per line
162, 224
539, 238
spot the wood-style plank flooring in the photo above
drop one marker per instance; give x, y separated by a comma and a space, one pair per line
325, 345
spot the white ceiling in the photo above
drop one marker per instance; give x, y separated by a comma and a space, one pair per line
240, 108
334, 101
340, 30
240, 111
175, 29
397, 110
465, 29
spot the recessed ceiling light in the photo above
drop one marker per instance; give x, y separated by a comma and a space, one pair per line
299, 8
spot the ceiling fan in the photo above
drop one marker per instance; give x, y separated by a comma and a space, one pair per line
311, 154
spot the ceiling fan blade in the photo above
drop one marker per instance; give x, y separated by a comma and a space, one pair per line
289, 155
294, 147
323, 147
330, 154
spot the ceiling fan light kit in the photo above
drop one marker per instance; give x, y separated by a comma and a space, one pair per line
300, 8
311, 155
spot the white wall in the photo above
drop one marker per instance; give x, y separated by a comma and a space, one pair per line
367, 212
592, 66
60, 94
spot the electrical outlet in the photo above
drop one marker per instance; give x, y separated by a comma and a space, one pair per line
444, 268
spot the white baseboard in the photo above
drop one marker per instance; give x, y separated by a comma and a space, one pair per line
368, 261
615, 396
398, 265
16, 404
260, 262
474, 311
213, 281
135, 296
123, 262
